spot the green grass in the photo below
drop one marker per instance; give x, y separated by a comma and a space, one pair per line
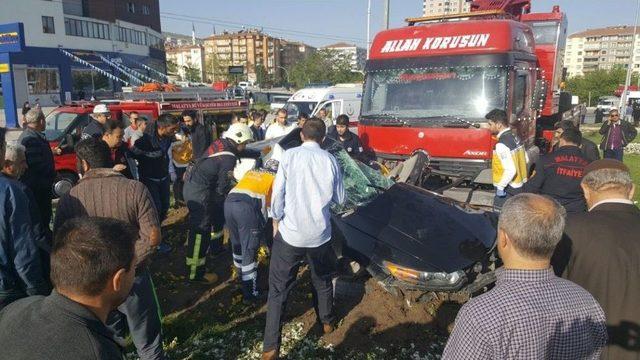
631, 160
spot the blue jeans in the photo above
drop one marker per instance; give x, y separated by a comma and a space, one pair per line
160, 193
614, 154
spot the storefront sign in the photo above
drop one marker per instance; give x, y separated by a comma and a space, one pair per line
11, 37
4, 68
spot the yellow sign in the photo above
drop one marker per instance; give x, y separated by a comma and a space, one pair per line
4, 68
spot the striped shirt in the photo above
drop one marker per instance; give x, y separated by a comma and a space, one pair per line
530, 314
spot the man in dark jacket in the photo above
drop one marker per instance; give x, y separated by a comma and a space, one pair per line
92, 268
207, 183
120, 155
21, 269
41, 172
199, 134
99, 117
256, 128
589, 148
600, 252
616, 134
350, 142
152, 153
104, 192
559, 173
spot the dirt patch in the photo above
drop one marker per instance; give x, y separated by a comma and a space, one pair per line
368, 315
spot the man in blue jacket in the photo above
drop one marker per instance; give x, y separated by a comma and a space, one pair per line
21, 270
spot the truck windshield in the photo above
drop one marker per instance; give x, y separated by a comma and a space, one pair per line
56, 124
419, 93
295, 108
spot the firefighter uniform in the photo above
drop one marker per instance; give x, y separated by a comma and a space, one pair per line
245, 211
207, 182
509, 167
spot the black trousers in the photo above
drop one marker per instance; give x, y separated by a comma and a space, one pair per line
178, 185
160, 191
43, 197
206, 224
140, 313
283, 270
246, 230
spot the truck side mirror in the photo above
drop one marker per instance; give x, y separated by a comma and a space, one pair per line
539, 95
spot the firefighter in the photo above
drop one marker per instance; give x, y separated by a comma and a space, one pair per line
207, 183
509, 163
245, 212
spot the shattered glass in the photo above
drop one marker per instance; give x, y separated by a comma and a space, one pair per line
362, 184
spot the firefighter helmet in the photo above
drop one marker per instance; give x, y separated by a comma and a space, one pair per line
239, 133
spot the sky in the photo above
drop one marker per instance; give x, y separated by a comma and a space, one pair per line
323, 22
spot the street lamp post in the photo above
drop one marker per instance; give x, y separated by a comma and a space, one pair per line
286, 72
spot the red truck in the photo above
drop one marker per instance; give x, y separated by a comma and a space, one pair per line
429, 85
64, 125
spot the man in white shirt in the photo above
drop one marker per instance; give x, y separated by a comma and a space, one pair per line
308, 181
280, 127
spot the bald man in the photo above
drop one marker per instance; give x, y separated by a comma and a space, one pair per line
530, 313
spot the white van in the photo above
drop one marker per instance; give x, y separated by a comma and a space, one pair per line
336, 100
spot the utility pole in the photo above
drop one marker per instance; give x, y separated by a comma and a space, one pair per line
623, 97
386, 14
369, 28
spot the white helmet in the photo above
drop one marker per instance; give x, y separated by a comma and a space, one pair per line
100, 109
239, 133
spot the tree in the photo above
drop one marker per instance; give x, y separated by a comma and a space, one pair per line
172, 68
323, 66
192, 73
216, 68
598, 83
263, 78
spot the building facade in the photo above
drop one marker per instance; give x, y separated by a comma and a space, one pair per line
189, 62
443, 7
72, 49
355, 55
260, 54
603, 48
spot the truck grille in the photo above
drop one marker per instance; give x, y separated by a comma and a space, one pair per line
467, 169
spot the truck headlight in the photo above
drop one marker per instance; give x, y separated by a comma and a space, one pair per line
423, 277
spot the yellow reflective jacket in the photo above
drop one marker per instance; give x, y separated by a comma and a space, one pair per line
258, 185
509, 163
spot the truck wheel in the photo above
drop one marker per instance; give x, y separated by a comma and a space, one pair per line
63, 183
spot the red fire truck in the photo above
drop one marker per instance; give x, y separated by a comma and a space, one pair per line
429, 85
64, 125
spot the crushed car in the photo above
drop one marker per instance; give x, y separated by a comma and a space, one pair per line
412, 241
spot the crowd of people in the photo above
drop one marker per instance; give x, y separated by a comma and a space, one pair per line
566, 235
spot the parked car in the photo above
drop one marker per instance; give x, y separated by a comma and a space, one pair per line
408, 238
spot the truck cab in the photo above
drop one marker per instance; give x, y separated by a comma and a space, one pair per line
429, 87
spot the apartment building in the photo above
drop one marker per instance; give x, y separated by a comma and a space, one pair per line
357, 56
442, 7
602, 48
189, 62
253, 50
